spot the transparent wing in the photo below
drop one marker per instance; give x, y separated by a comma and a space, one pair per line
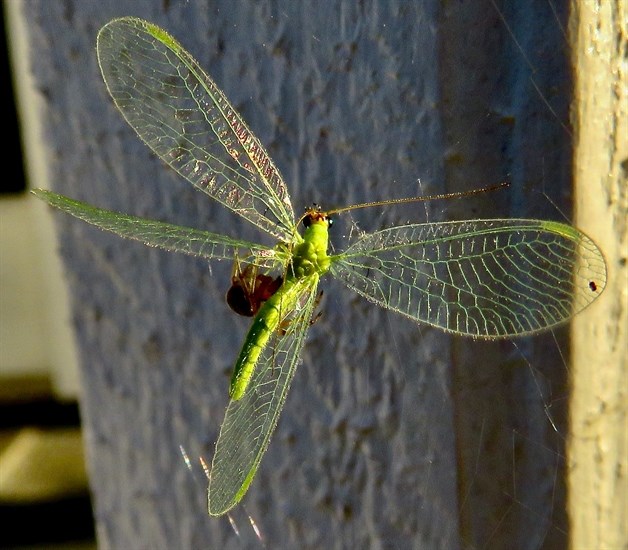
250, 421
187, 121
485, 278
164, 235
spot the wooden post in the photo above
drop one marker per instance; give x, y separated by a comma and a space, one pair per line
598, 443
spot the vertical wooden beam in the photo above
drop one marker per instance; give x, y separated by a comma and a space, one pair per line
597, 450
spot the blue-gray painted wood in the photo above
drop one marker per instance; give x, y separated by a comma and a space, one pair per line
394, 435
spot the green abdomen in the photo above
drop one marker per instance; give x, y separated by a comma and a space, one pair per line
271, 315
309, 262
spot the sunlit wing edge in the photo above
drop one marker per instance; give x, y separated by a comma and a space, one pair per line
163, 235
483, 278
241, 176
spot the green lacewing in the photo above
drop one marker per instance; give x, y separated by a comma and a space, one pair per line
490, 278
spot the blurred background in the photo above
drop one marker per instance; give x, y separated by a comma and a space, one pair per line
43, 480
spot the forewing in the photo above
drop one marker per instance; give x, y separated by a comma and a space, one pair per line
485, 278
250, 421
187, 121
164, 235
